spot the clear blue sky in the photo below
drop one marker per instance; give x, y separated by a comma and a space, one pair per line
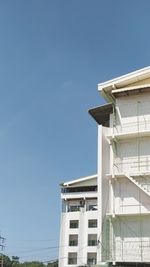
53, 53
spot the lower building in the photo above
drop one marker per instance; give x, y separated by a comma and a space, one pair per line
78, 231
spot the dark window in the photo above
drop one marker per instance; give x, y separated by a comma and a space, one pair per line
92, 207
92, 240
74, 208
91, 258
72, 258
92, 223
73, 240
79, 189
74, 224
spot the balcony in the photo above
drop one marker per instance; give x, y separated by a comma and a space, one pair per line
79, 205
130, 130
138, 125
74, 208
79, 192
133, 165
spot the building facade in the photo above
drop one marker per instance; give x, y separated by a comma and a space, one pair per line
123, 178
78, 231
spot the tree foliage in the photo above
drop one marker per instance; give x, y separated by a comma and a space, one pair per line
14, 262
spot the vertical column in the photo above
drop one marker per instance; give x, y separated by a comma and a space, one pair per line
99, 182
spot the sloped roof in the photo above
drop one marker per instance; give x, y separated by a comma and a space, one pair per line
83, 179
106, 87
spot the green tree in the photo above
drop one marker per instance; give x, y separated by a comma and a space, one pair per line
14, 262
32, 264
6, 261
53, 264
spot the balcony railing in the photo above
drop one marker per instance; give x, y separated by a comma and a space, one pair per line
74, 208
79, 208
132, 166
133, 126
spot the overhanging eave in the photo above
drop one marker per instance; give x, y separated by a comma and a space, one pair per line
102, 113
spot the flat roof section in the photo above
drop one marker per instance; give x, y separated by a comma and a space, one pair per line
102, 113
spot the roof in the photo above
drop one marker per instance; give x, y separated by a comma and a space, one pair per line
106, 87
102, 113
79, 180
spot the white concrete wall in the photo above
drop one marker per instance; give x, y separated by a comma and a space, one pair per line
133, 156
63, 254
79, 195
129, 199
133, 113
83, 215
82, 249
130, 229
104, 165
132, 239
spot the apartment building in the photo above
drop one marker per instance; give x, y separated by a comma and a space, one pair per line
123, 180
78, 231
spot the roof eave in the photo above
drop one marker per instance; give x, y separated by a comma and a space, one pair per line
79, 180
102, 113
105, 88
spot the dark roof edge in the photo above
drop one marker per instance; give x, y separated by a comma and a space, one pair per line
101, 114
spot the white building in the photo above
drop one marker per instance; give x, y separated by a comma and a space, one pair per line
78, 233
123, 181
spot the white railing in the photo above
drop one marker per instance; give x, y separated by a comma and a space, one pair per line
133, 126
137, 250
136, 165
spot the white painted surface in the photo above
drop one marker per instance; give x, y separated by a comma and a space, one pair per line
83, 215
129, 236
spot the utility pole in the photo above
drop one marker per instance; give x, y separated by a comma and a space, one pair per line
2, 247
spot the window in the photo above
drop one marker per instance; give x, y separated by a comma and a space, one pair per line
75, 205
92, 207
91, 258
73, 240
92, 223
74, 224
79, 189
74, 208
72, 258
92, 240
91, 204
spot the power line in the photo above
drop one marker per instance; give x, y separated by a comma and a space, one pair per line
38, 249
35, 240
